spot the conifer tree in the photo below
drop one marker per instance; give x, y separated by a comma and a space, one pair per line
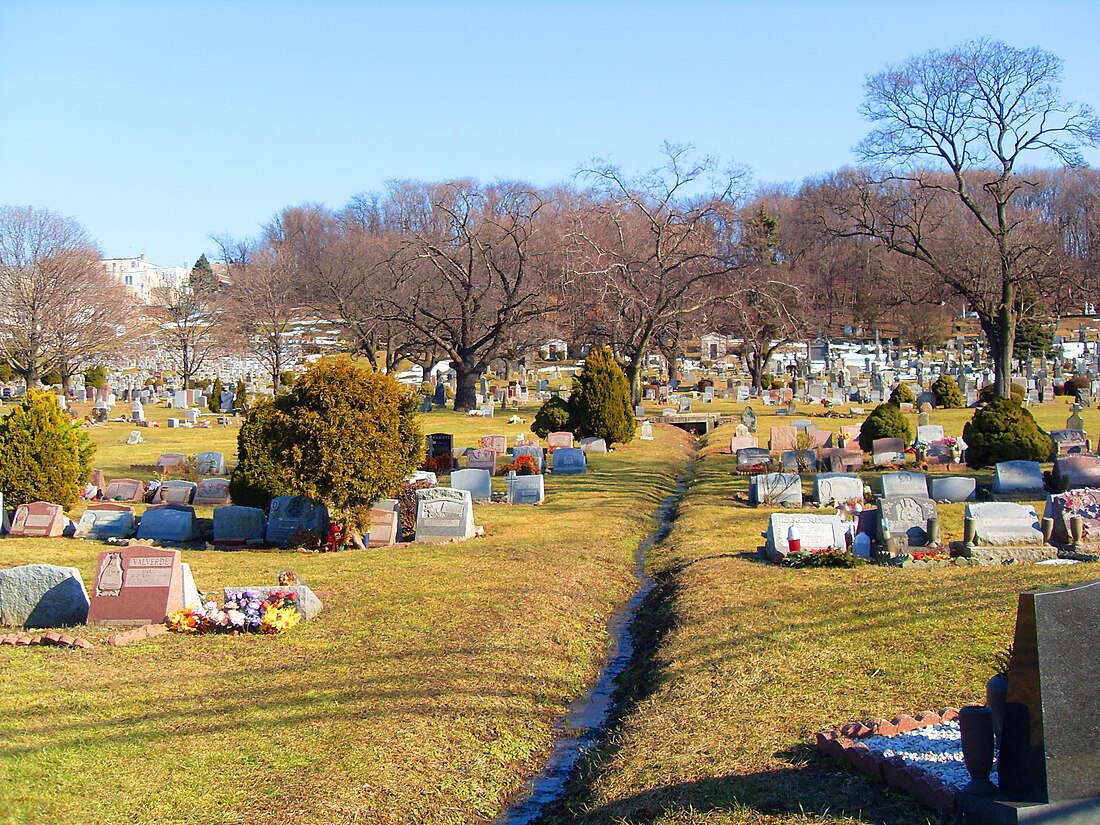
601, 400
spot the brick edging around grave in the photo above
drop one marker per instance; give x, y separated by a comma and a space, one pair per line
927, 789
46, 639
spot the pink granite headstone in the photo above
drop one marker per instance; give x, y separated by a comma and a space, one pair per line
481, 458
384, 525
125, 489
40, 519
497, 443
136, 585
212, 492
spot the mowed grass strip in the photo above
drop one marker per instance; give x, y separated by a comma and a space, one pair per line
744, 661
425, 692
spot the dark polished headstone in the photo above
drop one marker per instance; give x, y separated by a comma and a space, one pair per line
1049, 748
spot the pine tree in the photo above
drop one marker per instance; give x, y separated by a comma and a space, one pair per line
43, 455
203, 278
215, 400
601, 400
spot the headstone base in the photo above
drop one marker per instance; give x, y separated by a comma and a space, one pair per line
983, 810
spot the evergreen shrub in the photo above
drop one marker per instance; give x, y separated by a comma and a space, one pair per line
556, 415
1003, 430
947, 392
902, 395
885, 421
601, 400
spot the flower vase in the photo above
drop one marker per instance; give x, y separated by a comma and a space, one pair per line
996, 692
976, 730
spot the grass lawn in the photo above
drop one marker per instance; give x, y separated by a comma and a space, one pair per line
746, 661
424, 692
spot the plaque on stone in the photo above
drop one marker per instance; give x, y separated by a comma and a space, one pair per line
1051, 727
905, 484
39, 519
136, 585
569, 461
442, 515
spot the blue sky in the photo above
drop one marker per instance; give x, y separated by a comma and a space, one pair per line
157, 123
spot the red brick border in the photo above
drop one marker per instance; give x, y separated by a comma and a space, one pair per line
927, 789
46, 639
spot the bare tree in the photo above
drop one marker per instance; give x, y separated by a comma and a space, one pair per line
471, 267
61, 308
647, 253
975, 113
186, 324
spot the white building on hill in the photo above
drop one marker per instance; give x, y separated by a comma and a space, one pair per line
145, 279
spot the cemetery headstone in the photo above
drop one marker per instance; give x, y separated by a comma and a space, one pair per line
486, 410
440, 444
562, 439
930, 432
1074, 471
748, 418
167, 462
238, 526
799, 461
783, 439
212, 492
816, 532
442, 515
175, 492
905, 484
481, 458
40, 519
385, 523
422, 475
1063, 508
42, 595
125, 489
839, 487
569, 461
291, 514
592, 445
953, 489
751, 458
526, 490
210, 464
908, 519
106, 521
497, 443
645, 431
1075, 421
1051, 724
1004, 524
136, 585
534, 452
776, 490
741, 442
167, 522
478, 483
1068, 442
886, 451
1022, 479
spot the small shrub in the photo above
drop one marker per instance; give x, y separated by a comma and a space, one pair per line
947, 392
902, 395
985, 394
885, 421
440, 464
1003, 430
556, 415
601, 400
525, 465
44, 456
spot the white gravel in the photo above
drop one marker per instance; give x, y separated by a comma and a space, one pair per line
936, 749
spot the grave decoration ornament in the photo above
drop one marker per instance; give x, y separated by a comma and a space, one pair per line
244, 611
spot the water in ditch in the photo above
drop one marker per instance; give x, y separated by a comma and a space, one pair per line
585, 721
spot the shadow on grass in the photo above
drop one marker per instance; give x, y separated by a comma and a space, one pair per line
811, 785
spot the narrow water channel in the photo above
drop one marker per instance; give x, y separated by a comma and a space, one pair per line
584, 723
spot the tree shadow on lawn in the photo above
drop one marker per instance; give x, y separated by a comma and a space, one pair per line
812, 785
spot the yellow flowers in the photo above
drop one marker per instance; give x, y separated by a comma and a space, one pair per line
279, 619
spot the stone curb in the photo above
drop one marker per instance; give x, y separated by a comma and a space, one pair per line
843, 744
49, 639
137, 634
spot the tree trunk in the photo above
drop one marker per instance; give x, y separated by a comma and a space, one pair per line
634, 377
465, 387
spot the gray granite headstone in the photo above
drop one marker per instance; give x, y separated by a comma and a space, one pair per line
1051, 729
210, 464
443, 514
776, 490
42, 595
289, 514
953, 488
905, 484
526, 490
306, 603
1068, 442
838, 487
477, 482
929, 433
534, 452
908, 518
239, 525
1074, 471
887, 451
797, 461
95, 523
569, 461
167, 522
748, 418
749, 457
1004, 524
1018, 478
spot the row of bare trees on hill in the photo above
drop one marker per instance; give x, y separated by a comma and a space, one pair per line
944, 212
